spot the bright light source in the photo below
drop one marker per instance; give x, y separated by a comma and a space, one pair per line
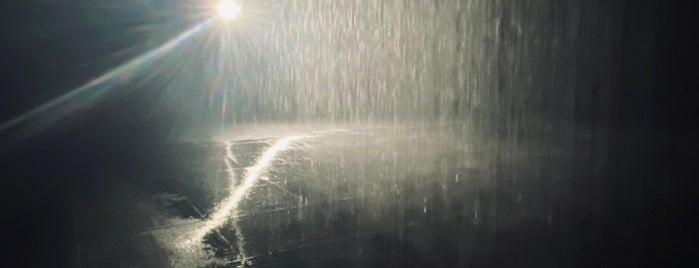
228, 9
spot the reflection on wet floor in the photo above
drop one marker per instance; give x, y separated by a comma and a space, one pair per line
348, 194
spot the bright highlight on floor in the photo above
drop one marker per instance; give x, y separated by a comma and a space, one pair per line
228, 10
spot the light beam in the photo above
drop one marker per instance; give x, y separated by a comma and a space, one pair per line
62, 106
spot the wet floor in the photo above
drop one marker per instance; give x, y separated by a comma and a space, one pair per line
349, 196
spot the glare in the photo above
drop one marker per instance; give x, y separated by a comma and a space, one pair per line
228, 10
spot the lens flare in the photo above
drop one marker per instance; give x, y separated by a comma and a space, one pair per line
228, 10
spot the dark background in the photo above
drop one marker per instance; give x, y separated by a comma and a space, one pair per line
47, 48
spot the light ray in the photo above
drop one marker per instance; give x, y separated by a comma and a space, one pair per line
62, 105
